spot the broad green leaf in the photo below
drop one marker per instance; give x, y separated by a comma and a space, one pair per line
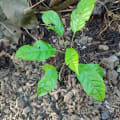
98, 69
14, 10
51, 17
49, 80
90, 76
81, 14
72, 59
38, 52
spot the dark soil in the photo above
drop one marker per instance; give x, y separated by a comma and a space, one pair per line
68, 101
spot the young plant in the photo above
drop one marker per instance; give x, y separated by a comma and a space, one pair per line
89, 75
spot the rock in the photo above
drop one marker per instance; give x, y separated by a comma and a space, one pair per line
118, 53
75, 117
85, 39
20, 102
119, 44
2, 15
103, 47
110, 62
54, 40
118, 68
68, 96
98, 10
105, 115
112, 76
27, 110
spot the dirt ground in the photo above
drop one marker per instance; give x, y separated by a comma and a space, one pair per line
98, 42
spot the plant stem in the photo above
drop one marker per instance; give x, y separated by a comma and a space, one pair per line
61, 69
60, 51
72, 39
64, 41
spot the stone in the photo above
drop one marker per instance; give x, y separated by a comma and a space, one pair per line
105, 115
112, 76
119, 44
68, 96
26, 110
110, 62
20, 102
75, 117
103, 47
98, 9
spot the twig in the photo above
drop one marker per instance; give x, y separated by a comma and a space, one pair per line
28, 9
61, 69
68, 10
7, 28
30, 35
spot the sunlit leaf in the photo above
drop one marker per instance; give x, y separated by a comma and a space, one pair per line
90, 76
81, 14
49, 80
51, 17
38, 52
72, 59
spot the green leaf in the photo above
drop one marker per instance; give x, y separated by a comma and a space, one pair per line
51, 17
14, 10
98, 69
38, 52
72, 59
81, 14
48, 82
90, 76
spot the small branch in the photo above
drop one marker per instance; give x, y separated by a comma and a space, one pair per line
7, 28
30, 35
67, 10
28, 9
61, 69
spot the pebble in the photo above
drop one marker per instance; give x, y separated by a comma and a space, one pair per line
54, 40
98, 10
20, 102
68, 96
26, 110
110, 62
119, 44
118, 53
103, 47
105, 115
112, 76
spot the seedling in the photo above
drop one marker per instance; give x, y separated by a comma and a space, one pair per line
89, 75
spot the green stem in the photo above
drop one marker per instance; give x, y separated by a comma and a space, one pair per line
72, 39
60, 51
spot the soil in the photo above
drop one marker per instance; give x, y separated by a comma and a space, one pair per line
96, 43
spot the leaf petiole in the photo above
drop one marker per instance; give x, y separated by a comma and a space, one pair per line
72, 39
